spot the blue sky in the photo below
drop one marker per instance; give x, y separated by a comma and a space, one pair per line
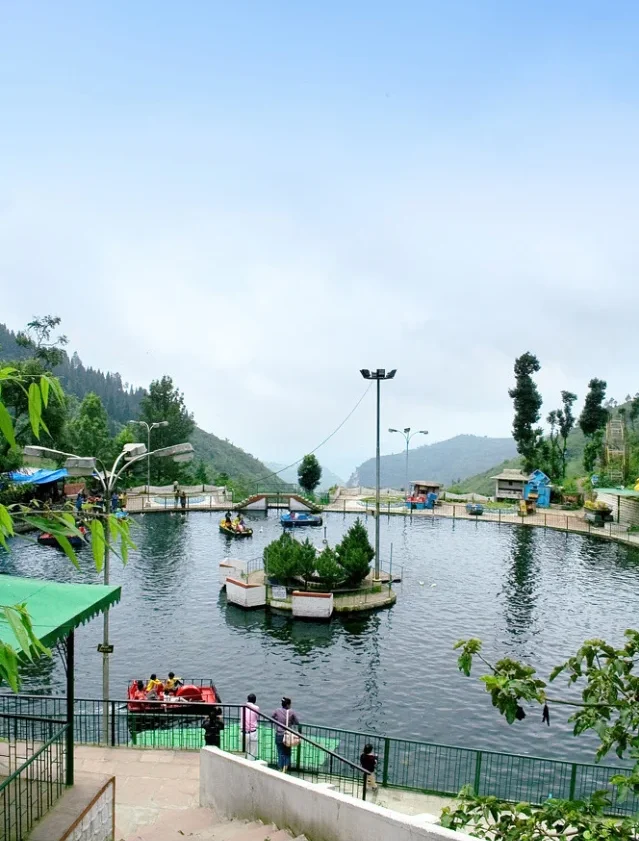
261, 198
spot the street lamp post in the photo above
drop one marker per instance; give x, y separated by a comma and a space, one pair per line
155, 425
408, 436
378, 375
87, 466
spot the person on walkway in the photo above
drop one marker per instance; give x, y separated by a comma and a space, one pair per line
368, 761
183, 500
115, 502
285, 717
249, 726
213, 725
176, 493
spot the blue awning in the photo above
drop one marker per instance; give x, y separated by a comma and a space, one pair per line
39, 477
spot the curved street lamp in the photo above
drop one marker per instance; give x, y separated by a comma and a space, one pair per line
408, 435
155, 425
378, 375
88, 466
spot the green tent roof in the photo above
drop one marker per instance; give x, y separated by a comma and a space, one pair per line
55, 609
625, 492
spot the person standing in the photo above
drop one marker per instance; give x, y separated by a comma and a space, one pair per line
249, 726
284, 717
176, 493
368, 761
183, 500
213, 725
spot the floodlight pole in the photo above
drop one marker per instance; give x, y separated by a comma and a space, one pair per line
408, 436
378, 375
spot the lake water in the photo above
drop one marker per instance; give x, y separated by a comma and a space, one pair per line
526, 592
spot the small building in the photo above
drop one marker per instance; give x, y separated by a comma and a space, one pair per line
538, 488
624, 503
510, 484
423, 488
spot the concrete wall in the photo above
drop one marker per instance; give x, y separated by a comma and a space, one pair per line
258, 505
245, 595
297, 505
231, 568
238, 788
312, 605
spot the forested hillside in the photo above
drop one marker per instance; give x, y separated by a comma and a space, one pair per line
446, 462
215, 459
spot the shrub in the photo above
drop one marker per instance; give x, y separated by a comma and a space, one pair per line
281, 558
328, 568
355, 553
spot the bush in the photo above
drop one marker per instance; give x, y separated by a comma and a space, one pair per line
355, 553
281, 558
328, 568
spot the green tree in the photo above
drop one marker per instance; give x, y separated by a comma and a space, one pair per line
309, 473
527, 406
633, 414
89, 430
38, 340
200, 474
281, 558
609, 706
592, 421
306, 561
328, 568
355, 553
552, 449
164, 402
566, 421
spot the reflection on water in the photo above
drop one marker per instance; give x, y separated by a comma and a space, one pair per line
526, 592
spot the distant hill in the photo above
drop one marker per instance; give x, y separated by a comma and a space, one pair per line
329, 479
223, 457
447, 462
481, 483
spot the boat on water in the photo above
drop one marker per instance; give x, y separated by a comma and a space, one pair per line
45, 538
294, 520
188, 699
474, 508
232, 531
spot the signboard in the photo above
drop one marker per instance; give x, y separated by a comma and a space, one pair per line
278, 593
105, 649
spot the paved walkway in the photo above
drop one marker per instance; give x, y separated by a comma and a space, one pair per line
153, 786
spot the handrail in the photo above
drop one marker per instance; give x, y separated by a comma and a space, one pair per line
303, 738
87, 809
125, 701
32, 758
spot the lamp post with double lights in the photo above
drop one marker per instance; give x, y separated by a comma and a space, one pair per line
408, 435
155, 425
378, 375
88, 466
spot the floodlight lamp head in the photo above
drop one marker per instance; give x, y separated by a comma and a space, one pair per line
365, 373
391, 374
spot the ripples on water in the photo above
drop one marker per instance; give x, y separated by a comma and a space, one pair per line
528, 593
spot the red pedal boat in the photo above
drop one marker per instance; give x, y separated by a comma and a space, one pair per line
189, 699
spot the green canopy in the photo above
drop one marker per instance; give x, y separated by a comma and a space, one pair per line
55, 609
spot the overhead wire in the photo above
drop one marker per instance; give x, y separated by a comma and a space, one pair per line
321, 444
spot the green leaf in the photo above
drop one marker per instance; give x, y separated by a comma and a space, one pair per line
6, 523
15, 621
66, 547
6, 425
44, 390
98, 543
35, 409
9, 666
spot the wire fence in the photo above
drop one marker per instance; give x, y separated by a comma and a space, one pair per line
328, 754
32, 771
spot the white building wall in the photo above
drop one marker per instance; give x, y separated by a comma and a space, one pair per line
245, 595
313, 605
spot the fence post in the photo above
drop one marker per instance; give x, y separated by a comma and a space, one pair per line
454, 511
545, 520
499, 516
573, 781
113, 724
386, 759
477, 772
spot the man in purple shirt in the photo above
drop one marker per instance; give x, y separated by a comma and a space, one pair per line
249, 726
285, 717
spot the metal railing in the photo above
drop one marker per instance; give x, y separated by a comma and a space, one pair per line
331, 754
35, 748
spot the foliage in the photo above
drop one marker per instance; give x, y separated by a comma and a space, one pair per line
37, 340
609, 706
306, 560
593, 418
242, 470
281, 558
164, 402
566, 422
355, 553
593, 450
89, 430
328, 568
527, 406
309, 473
200, 474
19, 621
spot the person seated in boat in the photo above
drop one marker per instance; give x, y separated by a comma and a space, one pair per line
172, 684
236, 524
139, 693
292, 515
241, 525
154, 685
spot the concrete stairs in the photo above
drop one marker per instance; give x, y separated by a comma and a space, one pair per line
204, 825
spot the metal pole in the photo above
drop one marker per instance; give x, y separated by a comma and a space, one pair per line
406, 480
70, 706
148, 461
105, 638
377, 489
